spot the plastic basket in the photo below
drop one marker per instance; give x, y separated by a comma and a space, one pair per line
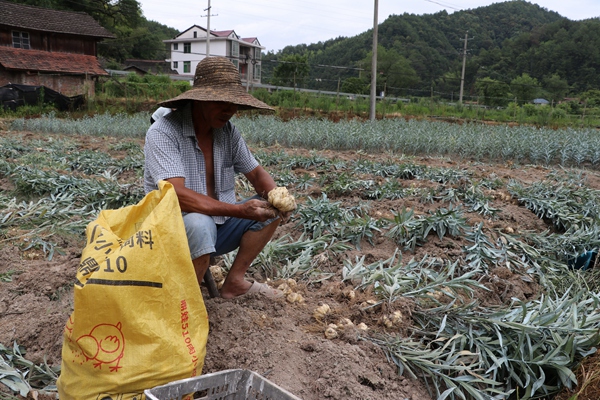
231, 384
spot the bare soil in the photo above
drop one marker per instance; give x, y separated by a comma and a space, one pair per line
277, 339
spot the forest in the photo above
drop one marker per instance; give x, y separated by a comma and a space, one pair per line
514, 49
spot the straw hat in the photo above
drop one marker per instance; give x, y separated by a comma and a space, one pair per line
217, 79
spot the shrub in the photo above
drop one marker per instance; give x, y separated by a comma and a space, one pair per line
134, 78
531, 110
558, 114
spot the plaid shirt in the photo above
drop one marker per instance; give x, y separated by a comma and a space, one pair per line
171, 151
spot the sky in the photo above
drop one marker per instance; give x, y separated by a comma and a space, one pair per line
280, 23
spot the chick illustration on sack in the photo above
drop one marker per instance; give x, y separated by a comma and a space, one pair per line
105, 344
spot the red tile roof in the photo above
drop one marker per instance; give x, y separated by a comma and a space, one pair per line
46, 61
249, 39
221, 33
46, 20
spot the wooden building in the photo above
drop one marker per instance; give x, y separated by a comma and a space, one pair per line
56, 49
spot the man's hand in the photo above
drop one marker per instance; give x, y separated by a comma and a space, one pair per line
258, 210
285, 216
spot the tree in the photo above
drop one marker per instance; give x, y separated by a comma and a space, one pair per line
591, 98
495, 93
556, 88
525, 88
355, 85
394, 71
109, 13
291, 70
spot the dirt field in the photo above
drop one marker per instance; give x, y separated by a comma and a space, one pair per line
279, 340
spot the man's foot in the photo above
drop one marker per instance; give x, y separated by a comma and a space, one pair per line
260, 288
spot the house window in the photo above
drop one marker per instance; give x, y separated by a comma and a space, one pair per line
186, 67
257, 72
20, 40
187, 47
195, 34
175, 64
236, 62
235, 49
175, 46
257, 53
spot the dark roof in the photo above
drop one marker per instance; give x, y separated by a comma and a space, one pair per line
46, 61
46, 20
133, 67
150, 66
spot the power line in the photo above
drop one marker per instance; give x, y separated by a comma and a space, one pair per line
317, 65
441, 4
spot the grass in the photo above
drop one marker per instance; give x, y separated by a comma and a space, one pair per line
8, 275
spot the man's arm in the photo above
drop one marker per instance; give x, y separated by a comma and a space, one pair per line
191, 201
262, 181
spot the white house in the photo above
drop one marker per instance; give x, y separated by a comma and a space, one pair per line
189, 48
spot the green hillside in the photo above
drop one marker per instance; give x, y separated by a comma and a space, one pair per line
421, 54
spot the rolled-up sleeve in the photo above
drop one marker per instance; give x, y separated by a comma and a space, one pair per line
243, 159
163, 159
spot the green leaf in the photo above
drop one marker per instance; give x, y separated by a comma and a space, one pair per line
16, 385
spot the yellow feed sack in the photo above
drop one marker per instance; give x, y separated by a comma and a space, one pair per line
139, 319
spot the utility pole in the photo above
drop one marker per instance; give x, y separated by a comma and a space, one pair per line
462, 76
248, 75
374, 66
208, 29
337, 98
294, 98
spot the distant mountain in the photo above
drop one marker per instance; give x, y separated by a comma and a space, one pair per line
505, 40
